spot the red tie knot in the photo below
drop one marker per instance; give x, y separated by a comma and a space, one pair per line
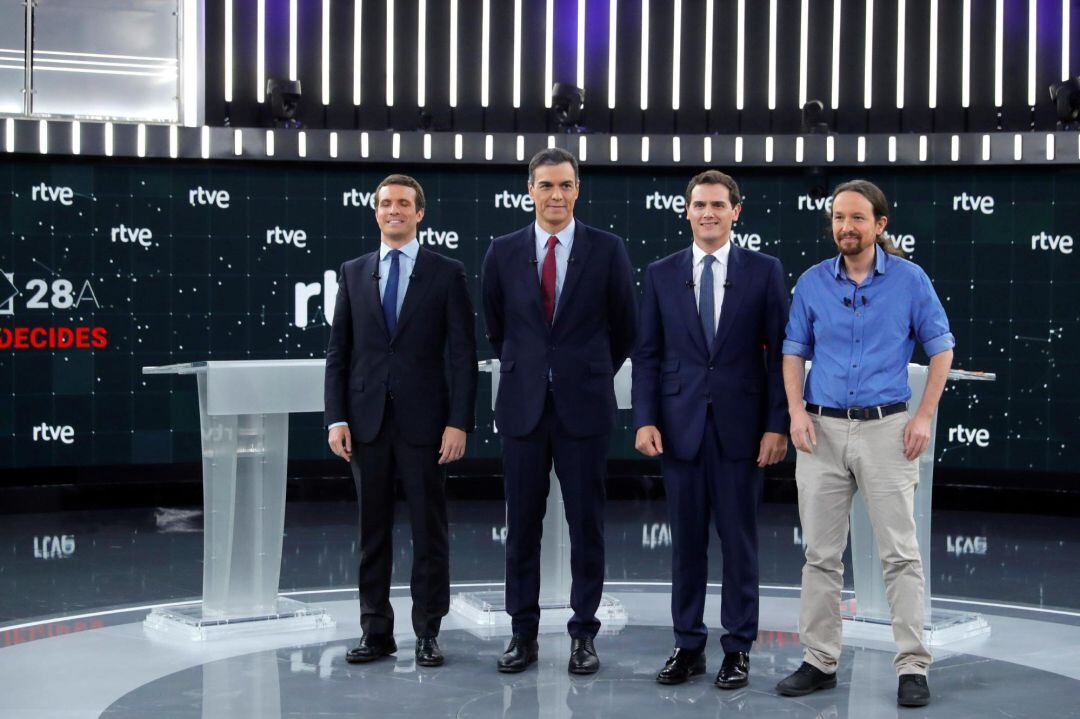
552, 241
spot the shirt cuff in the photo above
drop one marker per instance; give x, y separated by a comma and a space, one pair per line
791, 347
939, 344
337, 424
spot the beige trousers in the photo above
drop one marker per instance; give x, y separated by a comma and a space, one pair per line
867, 456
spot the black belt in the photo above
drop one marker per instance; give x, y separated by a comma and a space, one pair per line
857, 413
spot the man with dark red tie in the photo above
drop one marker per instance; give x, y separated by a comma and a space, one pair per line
560, 309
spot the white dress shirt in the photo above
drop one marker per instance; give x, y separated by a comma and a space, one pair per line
719, 270
562, 253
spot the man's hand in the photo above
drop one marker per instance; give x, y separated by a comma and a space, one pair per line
341, 442
648, 441
773, 449
453, 445
802, 431
916, 436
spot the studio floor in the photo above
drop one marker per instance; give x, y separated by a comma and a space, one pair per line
76, 586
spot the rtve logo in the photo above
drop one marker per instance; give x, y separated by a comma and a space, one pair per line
960, 545
1047, 242
435, 238
967, 435
213, 198
355, 198
302, 294
973, 203
54, 547
132, 235
657, 201
809, 203
45, 432
657, 534
45, 193
904, 243
278, 236
511, 201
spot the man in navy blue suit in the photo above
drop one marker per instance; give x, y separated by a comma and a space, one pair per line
559, 303
708, 397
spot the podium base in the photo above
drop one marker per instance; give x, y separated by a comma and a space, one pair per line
945, 627
188, 622
487, 611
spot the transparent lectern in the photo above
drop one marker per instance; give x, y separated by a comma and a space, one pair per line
244, 411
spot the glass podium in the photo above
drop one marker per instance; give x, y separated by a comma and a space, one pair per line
244, 411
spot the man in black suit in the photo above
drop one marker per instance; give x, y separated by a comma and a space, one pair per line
400, 390
560, 308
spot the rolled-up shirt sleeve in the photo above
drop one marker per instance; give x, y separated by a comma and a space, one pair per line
798, 337
931, 323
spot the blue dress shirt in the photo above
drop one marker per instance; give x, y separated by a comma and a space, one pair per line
860, 337
406, 263
562, 254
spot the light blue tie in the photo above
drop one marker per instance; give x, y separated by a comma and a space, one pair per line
707, 301
389, 298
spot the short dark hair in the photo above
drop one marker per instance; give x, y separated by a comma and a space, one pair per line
405, 181
715, 177
551, 156
878, 203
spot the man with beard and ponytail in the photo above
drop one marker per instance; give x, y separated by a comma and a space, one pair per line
857, 317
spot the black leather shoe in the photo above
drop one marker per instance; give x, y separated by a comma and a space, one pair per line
427, 652
681, 665
804, 680
735, 671
583, 659
519, 654
912, 691
371, 648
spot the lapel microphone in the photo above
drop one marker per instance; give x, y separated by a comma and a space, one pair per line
690, 284
375, 275
534, 262
727, 284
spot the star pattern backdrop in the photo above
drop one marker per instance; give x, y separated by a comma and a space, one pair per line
182, 261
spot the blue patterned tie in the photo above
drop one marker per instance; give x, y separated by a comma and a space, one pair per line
707, 301
389, 298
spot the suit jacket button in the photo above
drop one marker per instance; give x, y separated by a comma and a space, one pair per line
711, 367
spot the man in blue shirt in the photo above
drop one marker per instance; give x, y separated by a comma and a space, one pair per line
857, 317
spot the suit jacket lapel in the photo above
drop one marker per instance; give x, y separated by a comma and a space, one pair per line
579, 254
524, 261
370, 280
419, 284
733, 294
681, 285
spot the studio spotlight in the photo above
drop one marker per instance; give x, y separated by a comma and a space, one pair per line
813, 118
1066, 97
566, 103
284, 101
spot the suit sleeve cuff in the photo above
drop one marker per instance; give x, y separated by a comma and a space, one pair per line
939, 344
791, 347
337, 424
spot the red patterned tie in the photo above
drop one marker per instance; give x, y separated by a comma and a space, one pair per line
547, 280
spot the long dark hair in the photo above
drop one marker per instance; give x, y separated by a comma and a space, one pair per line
877, 201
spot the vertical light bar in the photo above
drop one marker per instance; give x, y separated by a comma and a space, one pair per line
644, 54
772, 54
1018, 147
645, 149
549, 50
836, 54
238, 142
923, 148
389, 53
326, 52
292, 39
868, 57
260, 50
830, 148
965, 61
140, 140
9, 134
517, 53
76, 137
358, 27
489, 147
1050, 147
582, 149
999, 53
860, 149
108, 138
954, 148
676, 55
614, 148
228, 50
804, 38
301, 143
892, 148
901, 39
581, 43
485, 53
986, 148
800, 145
421, 53
395, 145
191, 68
740, 53
333, 144
738, 149
427, 145
709, 9
676, 149
453, 51
270, 143
706, 150
174, 141
1032, 19
551, 141
769, 148
204, 142
1065, 20
365, 145
519, 150
43, 136
613, 35
932, 99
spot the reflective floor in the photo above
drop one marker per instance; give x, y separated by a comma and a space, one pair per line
75, 587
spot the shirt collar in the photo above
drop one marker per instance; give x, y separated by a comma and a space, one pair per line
880, 259
565, 235
721, 254
409, 249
